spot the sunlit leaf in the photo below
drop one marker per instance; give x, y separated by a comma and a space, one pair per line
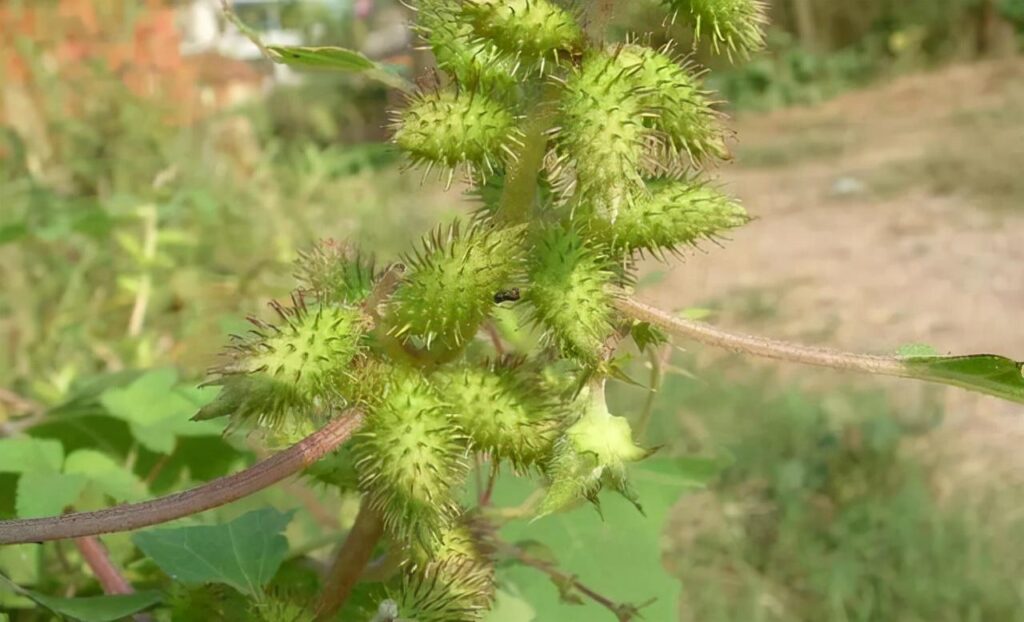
25, 455
106, 475
47, 494
986, 373
244, 553
336, 58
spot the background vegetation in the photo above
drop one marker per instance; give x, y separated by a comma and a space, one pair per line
131, 241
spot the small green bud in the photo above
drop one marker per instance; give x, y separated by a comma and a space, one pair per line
292, 367
450, 286
601, 140
499, 414
537, 31
335, 273
592, 453
676, 214
684, 115
452, 128
736, 24
410, 459
567, 289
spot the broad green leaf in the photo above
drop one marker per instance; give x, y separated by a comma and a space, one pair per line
336, 58
25, 455
986, 373
98, 608
244, 553
106, 475
47, 494
619, 556
157, 411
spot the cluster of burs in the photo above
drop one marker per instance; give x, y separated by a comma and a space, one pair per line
582, 155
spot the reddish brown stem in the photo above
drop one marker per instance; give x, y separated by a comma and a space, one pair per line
98, 560
351, 560
210, 495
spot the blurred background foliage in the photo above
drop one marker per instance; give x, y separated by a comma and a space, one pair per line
150, 199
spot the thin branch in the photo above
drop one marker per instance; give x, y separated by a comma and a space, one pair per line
762, 346
210, 495
107, 573
350, 562
624, 612
659, 358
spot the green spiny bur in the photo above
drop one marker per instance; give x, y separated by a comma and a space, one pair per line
410, 459
684, 115
453, 590
567, 290
500, 414
736, 25
676, 214
450, 128
537, 31
473, 62
451, 283
592, 453
602, 140
335, 273
289, 368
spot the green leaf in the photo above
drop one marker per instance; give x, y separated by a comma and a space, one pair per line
106, 475
619, 556
916, 349
98, 608
986, 373
47, 494
157, 411
244, 553
26, 455
336, 58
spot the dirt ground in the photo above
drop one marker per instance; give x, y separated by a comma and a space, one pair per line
877, 225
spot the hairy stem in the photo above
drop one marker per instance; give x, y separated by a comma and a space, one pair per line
762, 346
353, 557
520, 192
213, 494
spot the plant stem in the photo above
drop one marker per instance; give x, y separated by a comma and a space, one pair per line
659, 358
213, 494
351, 560
107, 573
762, 346
520, 192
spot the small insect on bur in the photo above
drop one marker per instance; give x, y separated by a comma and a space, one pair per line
507, 295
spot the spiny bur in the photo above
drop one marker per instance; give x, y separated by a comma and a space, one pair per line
568, 293
536, 31
735, 25
451, 128
411, 458
451, 283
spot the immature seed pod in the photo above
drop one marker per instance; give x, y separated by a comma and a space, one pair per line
410, 457
738, 25
567, 290
676, 214
288, 368
593, 452
475, 63
537, 31
454, 590
450, 285
450, 128
500, 415
684, 116
601, 140
335, 273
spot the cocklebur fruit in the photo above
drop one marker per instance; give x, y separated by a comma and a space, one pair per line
684, 115
335, 273
450, 284
736, 25
292, 367
500, 415
568, 292
448, 591
677, 213
536, 31
450, 128
592, 453
601, 139
474, 63
411, 457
